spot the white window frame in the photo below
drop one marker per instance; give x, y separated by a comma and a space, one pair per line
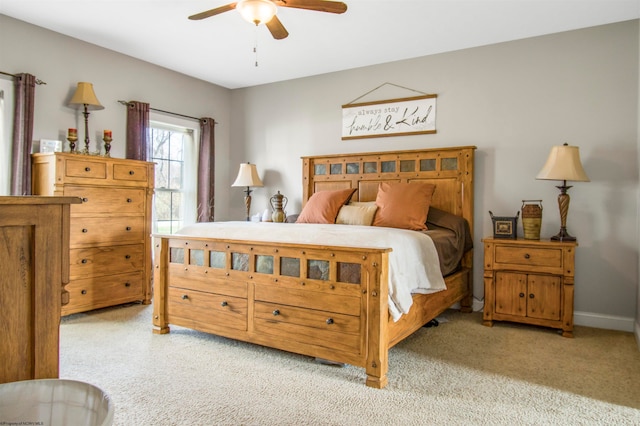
190, 163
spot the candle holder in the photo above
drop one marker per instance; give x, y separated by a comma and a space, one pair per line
107, 145
72, 143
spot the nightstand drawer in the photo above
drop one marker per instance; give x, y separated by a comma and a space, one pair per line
529, 256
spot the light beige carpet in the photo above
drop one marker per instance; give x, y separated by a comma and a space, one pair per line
460, 373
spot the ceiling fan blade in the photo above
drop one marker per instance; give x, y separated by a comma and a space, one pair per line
317, 5
278, 31
212, 12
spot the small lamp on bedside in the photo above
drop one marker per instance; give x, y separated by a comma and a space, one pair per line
248, 176
563, 164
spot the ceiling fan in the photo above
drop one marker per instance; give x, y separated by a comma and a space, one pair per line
264, 11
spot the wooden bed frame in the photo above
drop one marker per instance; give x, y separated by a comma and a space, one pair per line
270, 294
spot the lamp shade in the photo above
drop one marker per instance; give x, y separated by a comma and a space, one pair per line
247, 176
257, 11
85, 95
563, 164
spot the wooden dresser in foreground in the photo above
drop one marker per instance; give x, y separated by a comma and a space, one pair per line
529, 281
110, 242
34, 248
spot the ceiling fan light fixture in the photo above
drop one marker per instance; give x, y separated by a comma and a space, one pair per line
257, 11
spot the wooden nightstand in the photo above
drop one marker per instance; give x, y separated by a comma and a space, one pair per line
529, 281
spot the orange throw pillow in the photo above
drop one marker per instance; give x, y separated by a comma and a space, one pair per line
403, 205
323, 206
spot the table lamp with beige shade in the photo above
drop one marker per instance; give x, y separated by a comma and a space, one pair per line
563, 164
248, 177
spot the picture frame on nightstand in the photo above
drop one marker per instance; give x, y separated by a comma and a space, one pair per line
505, 226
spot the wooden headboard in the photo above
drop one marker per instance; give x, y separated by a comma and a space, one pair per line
450, 169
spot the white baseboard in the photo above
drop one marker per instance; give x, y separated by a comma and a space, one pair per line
609, 322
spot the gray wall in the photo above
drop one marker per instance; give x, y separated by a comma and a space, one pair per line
62, 61
512, 100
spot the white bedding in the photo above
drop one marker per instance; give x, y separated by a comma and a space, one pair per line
413, 263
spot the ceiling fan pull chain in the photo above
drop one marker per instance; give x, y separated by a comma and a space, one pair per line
255, 45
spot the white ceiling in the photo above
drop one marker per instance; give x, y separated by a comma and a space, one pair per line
219, 49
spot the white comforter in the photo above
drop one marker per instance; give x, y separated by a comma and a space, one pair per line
413, 263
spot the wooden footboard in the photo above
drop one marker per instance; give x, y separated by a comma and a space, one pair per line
321, 301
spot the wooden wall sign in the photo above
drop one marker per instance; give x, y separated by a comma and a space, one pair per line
393, 117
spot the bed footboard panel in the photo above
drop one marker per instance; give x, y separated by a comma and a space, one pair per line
320, 301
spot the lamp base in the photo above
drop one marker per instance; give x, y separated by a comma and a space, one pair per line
563, 235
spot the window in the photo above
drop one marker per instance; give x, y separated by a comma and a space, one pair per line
173, 151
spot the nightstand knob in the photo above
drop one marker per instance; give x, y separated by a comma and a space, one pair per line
531, 296
527, 256
185, 297
521, 294
83, 292
84, 261
87, 169
224, 303
329, 321
85, 199
276, 312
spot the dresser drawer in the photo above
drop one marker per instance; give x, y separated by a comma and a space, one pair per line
130, 172
83, 167
105, 291
109, 230
104, 200
308, 326
528, 256
99, 261
190, 307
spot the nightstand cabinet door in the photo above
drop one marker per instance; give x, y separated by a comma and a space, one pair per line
543, 297
529, 282
511, 292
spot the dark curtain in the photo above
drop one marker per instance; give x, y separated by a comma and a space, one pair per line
138, 144
206, 170
22, 134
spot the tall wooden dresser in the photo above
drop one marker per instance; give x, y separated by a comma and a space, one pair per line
110, 245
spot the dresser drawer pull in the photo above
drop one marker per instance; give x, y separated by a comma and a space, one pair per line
83, 292
527, 256
276, 313
329, 321
127, 256
531, 296
224, 303
84, 261
129, 200
521, 294
87, 169
85, 230
128, 228
85, 199
127, 284
185, 297
131, 172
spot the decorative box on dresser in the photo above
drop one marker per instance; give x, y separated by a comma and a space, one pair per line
110, 246
34, 248
529, 281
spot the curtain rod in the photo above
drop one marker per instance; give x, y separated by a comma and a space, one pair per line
168, 112
38, 81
